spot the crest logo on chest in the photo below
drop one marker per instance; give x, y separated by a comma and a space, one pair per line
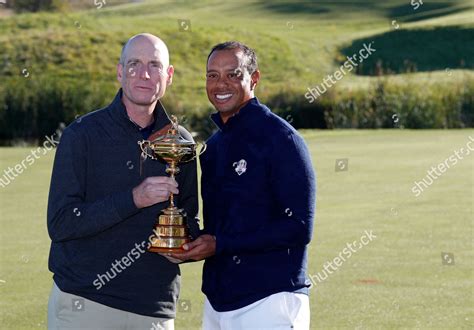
240, 166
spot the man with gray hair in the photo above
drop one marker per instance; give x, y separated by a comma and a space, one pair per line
103, 202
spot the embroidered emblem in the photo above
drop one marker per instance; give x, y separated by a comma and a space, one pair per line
240, 166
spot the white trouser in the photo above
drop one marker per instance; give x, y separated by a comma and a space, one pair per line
283, 310
67, 311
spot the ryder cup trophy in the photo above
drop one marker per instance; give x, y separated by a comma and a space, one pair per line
170, 230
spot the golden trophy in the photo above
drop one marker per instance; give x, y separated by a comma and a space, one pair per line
170, 230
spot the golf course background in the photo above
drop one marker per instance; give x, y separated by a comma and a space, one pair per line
416, 273
60, 65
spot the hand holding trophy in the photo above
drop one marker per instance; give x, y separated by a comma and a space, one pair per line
170, 230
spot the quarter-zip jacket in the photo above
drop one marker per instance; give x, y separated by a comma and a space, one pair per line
99, 237
258, 191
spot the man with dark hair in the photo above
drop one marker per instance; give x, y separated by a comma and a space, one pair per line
258, 191
103, 202
249, 56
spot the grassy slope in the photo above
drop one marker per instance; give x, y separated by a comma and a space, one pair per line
297, 44
414, 289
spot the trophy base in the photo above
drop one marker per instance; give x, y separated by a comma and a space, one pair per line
168, 245
170, 232
166, 250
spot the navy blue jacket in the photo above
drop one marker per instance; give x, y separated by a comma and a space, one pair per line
258, 191
99, 237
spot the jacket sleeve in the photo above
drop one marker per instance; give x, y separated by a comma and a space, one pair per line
293, 185
69, 215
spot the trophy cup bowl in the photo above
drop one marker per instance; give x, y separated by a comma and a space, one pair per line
170, 230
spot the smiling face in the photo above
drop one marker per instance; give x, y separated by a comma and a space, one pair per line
144, 71
229, 85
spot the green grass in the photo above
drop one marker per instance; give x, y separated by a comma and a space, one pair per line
443, 47
298, 43
408, 287
70, 58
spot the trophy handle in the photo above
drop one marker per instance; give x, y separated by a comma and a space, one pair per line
203, 148
144, 146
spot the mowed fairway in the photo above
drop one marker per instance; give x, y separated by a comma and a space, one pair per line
396, 281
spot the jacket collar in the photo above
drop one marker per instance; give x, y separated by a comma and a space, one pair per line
243, 116
119, 114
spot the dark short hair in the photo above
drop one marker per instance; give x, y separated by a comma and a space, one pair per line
251, 58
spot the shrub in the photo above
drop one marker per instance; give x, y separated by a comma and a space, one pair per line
388, 105
31, 109
37, 5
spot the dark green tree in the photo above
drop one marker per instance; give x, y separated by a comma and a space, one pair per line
36, 5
